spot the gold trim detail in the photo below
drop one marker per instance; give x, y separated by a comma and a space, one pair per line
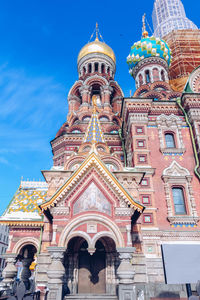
22, 223
92, 160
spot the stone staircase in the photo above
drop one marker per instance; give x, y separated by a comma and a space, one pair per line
91, 297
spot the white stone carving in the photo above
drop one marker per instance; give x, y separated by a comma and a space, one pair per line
170, 123
173, 175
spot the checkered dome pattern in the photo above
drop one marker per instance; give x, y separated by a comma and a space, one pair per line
148, 47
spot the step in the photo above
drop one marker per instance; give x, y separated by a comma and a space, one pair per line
91, 297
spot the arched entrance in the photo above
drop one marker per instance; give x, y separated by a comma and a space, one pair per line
90, 271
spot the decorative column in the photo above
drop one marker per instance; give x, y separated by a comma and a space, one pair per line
126, 273
102, 95
54, 234
107, 92
84, 90
55, 273
10, 271
128, 232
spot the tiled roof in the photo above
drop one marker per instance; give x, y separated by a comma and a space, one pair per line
94, 133
24, 204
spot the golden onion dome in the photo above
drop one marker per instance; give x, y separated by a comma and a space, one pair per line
97, 47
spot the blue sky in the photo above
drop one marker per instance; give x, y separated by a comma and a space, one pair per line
39, 45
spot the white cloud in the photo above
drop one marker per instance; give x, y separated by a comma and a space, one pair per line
32, 110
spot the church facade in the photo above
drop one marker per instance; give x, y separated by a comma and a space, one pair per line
124, 181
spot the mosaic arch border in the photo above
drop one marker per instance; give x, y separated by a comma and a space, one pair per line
68, 232
25, 241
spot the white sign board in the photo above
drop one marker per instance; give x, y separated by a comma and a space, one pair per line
181, 263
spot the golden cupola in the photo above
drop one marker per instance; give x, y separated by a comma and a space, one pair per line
97, 47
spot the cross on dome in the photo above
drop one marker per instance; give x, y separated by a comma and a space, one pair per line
145, 33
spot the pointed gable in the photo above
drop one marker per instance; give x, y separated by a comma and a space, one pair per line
92, 161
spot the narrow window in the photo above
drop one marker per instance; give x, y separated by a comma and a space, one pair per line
96, 67
147, 76
179, 203
89, 68
102, 68
169, 140
108, 71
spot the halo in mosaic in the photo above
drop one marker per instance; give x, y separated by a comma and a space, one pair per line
148, 47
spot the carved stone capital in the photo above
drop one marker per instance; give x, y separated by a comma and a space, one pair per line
56, 253
125, 270
10, 270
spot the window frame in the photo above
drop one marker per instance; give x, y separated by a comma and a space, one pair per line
148, 215
142, 155
144, 144
146, 185
146, 196
139, 127
171, 133
184, 200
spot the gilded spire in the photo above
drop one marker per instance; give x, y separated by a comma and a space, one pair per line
144, 31
94, 133
97, 32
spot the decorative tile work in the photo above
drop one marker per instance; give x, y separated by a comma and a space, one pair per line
27, 198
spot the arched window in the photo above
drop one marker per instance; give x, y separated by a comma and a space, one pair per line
179, 201
162, 75
84, 71
108, 70
147, 75
89, 68
96, 67
169, 140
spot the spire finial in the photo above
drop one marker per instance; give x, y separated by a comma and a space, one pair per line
144, 31
97, 32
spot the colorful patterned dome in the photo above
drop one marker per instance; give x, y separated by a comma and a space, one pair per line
148, 47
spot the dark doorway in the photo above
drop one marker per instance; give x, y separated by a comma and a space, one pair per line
91, 278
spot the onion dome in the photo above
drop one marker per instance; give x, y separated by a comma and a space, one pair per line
97, 47
148, 47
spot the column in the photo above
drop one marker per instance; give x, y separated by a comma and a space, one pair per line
128, 232
107, 92
55, 273
10, 271
126, 273
84, 90
54, 234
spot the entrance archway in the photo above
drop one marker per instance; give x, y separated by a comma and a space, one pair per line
90, 272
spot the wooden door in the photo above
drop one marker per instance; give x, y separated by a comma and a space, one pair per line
91, 278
